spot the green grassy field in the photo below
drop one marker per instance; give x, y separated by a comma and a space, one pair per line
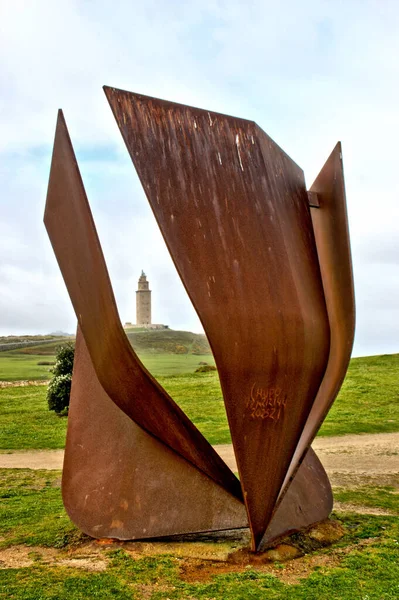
61, 563
367, 403
369, 398
17, 367
26, 422
173, 364
384, 497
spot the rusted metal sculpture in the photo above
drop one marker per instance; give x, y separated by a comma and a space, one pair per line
267, 266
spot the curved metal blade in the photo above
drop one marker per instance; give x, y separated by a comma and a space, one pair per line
76, 245
120, 482
330, 224
308, 500
233, 210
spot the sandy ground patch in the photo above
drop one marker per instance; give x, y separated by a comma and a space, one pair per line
362, 510
368, 454
199, 557
51, 460
343, 457
88, 557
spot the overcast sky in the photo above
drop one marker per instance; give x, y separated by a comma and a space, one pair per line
309, 73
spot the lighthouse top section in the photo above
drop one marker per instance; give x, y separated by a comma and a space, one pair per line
143, 283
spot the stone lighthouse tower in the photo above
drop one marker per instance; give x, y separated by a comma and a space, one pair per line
143, 301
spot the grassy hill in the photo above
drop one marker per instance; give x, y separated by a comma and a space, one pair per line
153, 341
29, 339
168, 341
36, 343
163, 352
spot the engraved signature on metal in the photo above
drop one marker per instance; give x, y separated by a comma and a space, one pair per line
266, 403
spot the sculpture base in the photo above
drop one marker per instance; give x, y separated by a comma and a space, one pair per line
120, 482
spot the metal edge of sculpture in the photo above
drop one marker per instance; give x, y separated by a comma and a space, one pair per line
267, 266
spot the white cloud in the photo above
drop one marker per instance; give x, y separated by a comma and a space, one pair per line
309, 73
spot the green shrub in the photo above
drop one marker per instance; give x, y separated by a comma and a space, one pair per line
205, 369
64, 360
180, 349
59, 388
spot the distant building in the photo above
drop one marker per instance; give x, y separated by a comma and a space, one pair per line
143, 307
143, 301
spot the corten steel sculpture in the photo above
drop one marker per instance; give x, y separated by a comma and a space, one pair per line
268, 269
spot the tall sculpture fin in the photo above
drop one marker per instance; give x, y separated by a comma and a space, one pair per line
330, 224
76, 245
233, 210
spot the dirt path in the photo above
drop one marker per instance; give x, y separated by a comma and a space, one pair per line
351, 459
343, 457
374, 454
35, 459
